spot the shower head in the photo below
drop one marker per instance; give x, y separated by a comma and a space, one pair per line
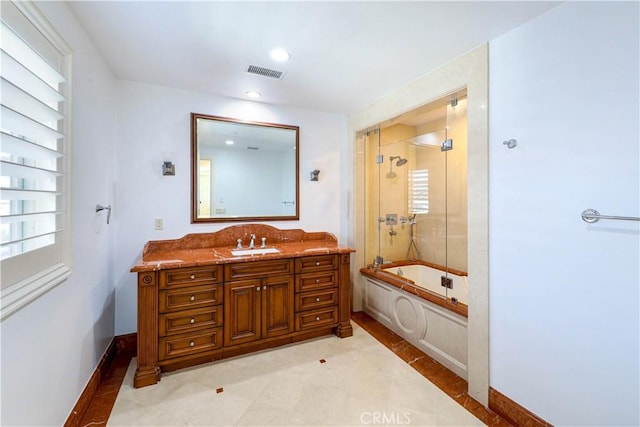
400, 161
391, 174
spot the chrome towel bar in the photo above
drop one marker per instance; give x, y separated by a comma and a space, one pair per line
592, 215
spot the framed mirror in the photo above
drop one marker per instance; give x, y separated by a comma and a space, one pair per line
243, 171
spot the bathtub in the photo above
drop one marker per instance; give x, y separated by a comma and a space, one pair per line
409, 300
429, 279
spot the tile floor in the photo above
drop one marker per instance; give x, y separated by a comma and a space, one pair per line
326, 381
356, 381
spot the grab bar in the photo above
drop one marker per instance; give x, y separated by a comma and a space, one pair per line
592, 215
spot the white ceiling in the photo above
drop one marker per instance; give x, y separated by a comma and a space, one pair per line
344, 55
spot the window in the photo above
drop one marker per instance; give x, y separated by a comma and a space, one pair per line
35, 249
419, 191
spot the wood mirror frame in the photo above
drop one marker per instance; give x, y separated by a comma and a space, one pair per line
254, 178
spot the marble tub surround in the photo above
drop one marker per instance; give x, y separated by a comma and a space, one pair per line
409, 286
215, 248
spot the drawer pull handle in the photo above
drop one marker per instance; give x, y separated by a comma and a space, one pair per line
317, 280
317, 299
317, 318
193, 276
191, 344
317, 263
193, 298
192, 320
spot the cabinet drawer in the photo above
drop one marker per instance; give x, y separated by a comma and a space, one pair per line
319, 280
186, 298
317, 299
247, 270
190, 320
315, 263
182, 345
180, 277
317, 318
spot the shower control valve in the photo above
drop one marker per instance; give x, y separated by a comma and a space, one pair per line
391, 219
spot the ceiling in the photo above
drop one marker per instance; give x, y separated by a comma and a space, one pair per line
344, 55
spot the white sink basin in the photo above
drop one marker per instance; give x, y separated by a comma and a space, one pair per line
256, 251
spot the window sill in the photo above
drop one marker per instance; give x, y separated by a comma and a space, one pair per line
22, 293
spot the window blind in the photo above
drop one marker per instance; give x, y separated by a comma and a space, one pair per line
418, 191
34, 145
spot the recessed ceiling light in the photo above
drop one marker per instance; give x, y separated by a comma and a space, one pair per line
228, 142
280, 55
253, 94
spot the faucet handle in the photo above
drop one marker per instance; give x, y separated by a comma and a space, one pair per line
264, 242
239, 243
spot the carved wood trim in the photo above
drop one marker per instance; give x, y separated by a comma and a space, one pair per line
345, 329
148, 371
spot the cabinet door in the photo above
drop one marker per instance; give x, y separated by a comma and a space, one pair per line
277, 306
242, 311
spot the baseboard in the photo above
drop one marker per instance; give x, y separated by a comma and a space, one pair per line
128, 342
118, 344
513, 412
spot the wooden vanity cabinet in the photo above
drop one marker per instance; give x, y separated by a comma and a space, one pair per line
192, 315
317, 292
260, 304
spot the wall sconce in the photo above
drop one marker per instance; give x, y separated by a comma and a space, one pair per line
168, 168
314, 174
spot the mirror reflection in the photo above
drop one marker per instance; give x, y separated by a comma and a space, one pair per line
243, 171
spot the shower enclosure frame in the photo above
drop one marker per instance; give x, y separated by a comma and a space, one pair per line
467, 71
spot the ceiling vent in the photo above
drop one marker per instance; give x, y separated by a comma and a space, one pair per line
254, 69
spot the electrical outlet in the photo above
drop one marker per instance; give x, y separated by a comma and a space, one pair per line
158, 224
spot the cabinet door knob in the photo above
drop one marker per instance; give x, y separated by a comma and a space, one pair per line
257, 288
193, 276
192, 320
264, 288
317, 280
192, 298
317, 299
191, 344
317, 318
317, 262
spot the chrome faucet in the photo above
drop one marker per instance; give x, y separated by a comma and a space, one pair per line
252, 242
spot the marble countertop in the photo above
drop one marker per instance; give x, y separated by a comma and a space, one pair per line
216, 248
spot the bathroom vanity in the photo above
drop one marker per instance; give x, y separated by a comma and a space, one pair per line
203, 298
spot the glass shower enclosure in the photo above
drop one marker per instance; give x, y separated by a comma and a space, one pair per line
416, 188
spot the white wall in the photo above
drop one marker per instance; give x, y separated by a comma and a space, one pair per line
564, 294
153, 120
251, 182
51, 347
